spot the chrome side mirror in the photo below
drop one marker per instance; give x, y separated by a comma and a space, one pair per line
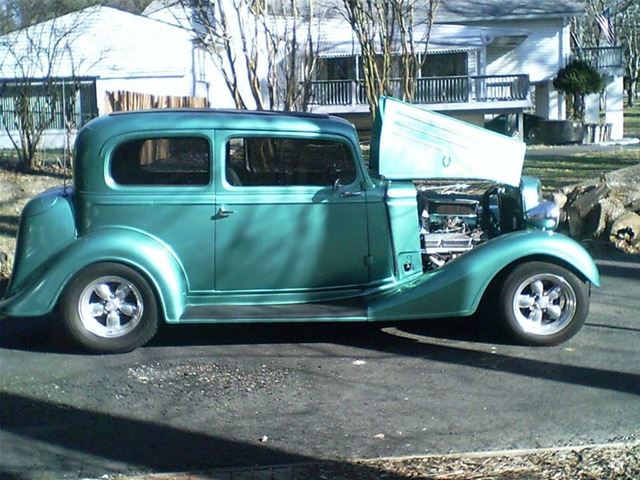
544, 216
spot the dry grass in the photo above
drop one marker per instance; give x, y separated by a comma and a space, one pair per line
619, 462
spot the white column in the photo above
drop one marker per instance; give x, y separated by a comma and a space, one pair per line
550, 103
542, 99
521, 125
614, 107
557, 105
592, 108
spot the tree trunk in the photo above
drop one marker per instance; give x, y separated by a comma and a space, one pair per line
625, 233
609, 206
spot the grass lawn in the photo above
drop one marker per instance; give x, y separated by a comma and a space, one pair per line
556, 171
564, 166
632, 122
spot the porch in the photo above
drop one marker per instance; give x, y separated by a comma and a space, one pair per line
602, 58
459, 92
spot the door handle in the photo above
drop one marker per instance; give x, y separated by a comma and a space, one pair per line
348, 194
223, 213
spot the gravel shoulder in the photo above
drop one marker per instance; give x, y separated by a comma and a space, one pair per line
597, 462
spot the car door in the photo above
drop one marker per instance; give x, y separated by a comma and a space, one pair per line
160, 183
290, 214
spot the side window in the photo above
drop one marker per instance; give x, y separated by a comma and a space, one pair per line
261, 161
162, 161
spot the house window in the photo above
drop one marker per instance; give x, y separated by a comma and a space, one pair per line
162, 161
446, 65
336, 68
260, 161
52, 105
200, 72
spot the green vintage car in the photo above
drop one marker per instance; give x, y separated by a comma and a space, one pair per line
193, 216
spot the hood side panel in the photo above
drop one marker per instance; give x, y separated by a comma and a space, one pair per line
410, 143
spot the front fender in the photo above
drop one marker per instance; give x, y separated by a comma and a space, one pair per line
457, 288
146, 254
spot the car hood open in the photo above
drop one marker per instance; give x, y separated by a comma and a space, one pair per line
412, 143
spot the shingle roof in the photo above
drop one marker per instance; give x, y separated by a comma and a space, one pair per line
103, 42
460, 11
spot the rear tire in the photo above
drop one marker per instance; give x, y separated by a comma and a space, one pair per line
109, 308
543, 304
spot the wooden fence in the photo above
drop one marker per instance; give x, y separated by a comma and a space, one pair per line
122, 101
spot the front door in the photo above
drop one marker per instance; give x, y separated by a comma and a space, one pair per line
290, 214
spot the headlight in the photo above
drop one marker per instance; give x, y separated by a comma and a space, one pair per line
544, 216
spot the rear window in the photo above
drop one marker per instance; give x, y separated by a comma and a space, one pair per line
263, 161
162, 161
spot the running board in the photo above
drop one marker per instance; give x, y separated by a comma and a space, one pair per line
352, 309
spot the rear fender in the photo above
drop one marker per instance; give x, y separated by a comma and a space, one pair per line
457, 288
146, 254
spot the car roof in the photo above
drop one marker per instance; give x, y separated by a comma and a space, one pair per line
196, 118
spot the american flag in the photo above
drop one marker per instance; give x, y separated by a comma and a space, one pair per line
605, 23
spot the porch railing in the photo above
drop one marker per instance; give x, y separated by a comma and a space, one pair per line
601, 57
428, 90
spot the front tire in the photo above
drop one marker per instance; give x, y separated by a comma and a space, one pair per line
109, 308
543, 304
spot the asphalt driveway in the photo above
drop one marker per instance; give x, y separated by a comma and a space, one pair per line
206, 397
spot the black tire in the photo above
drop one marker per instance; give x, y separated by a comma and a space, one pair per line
542, 303
109, 308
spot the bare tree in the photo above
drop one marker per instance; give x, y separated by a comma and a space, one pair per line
373, 24
42, 95
34, 54
291, 33
413, 50
394, 38
629, 30
265, 51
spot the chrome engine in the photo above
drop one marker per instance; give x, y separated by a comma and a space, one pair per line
449, 227
455, 218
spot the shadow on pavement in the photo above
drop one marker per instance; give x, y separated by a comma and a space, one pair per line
446, 340
533, 368
357, 334
31, 334
143, 446
415, 339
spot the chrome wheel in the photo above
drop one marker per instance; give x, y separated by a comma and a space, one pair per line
110, 307
544, 304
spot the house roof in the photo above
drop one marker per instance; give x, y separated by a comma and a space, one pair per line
463, 11
336, 40
98, 41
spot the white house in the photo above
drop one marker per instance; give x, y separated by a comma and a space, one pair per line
540, 51
111, 50
485, 57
